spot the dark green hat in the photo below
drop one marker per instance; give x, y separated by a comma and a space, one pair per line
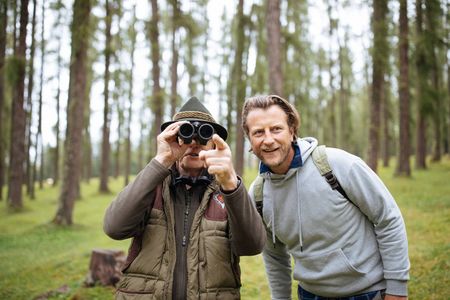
194, 110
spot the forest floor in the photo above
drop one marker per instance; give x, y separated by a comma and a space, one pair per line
39, 260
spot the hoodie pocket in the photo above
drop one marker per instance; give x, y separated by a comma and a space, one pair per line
332, 269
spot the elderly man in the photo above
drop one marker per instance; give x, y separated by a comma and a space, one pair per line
189, 215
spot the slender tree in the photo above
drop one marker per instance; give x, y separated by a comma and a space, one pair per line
433, 20
386, 117
77, 92
106, 146
118, 93
3, 24
403, 166
239, 85
18, 119
274, 50
379, 28
132, 35
39, 140
59, 8
259, 80
176, 14
421, 89
344, 95
157, 96
29, 108
331, 105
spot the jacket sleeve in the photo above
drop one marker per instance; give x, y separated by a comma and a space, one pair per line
370, 194
246, 226
125, 214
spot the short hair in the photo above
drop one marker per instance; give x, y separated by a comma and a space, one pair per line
264, 102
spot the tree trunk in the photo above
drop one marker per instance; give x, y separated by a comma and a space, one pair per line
133, 33
29, 108
41, 82
434, 28
240, 88
3, 24
174, 65
157, 97
403, 166
18, 119
106, 147
105, 267
379, 63
421, 86
331, 107
274, 49
385, 103
58, 116
87, 143
77, 93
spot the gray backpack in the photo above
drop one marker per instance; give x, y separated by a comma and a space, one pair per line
319, 156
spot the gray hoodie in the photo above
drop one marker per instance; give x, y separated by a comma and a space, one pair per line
340, 248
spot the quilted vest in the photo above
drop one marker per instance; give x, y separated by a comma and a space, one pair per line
213, 270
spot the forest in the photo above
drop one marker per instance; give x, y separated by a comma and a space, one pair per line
85, 85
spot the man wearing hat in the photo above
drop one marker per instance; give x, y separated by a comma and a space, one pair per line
189, 215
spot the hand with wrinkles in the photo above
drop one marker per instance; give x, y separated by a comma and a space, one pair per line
168, 149
219, 163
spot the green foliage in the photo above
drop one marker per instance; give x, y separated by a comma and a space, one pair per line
38, 258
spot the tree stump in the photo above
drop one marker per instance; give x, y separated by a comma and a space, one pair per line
105, 267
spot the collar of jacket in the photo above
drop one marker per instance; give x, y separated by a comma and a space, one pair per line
203, 179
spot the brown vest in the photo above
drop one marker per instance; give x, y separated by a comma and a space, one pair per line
213, 269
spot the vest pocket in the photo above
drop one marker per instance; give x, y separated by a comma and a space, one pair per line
216, 270
137, 286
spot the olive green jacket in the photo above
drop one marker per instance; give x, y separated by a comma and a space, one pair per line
224, 227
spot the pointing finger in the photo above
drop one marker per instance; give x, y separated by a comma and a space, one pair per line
219, 142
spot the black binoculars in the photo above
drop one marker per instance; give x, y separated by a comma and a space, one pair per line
200, 131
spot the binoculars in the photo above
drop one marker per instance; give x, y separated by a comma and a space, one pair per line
202, 132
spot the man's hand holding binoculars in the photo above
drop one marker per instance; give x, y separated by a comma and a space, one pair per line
169, 148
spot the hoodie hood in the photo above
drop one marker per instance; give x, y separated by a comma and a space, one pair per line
303, 148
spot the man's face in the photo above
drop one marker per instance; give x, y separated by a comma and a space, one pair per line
271, 137
190, 164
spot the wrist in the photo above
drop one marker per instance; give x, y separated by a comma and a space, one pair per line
231, 187
164, 160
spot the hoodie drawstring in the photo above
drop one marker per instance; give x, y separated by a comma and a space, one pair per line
299, 213
272, 217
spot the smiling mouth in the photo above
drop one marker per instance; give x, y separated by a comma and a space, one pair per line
270, 150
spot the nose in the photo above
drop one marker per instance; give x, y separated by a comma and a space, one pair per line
268, 138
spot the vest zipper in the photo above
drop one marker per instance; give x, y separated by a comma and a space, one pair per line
187, 206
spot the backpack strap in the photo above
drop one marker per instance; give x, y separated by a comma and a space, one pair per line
319, 156
258, 185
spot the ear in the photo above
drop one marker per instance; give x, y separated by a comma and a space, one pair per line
291, 131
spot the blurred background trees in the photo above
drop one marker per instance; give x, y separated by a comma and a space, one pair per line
85, 84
